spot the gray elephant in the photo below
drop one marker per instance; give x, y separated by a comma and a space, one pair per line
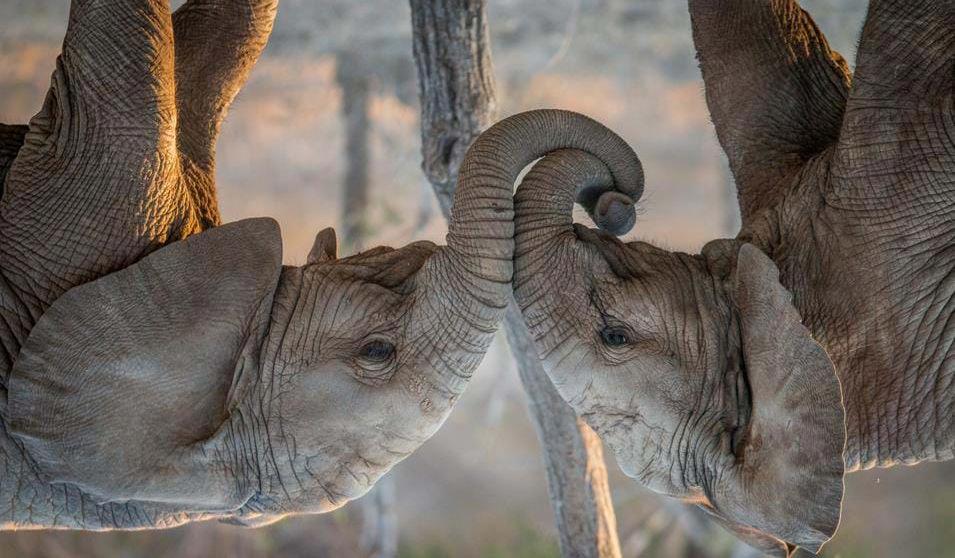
749, 378
157, 368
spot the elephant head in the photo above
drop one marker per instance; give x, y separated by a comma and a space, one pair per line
695, 369
208, 378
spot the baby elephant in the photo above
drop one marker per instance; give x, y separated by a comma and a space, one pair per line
749, 378
157, 368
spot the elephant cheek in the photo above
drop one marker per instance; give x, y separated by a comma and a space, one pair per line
625, 451
423, 400
573, 370
639, 453
334, 483
418, 417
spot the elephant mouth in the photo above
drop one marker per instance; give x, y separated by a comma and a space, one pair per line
254, 504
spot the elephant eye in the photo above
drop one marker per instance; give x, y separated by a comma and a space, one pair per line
377, 351
614, 336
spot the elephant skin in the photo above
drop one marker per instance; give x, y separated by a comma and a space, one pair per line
158, 367
749, 378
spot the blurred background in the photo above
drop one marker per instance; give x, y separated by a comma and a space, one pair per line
339, 68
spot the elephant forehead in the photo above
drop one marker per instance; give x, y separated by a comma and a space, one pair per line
341, 300
389, 268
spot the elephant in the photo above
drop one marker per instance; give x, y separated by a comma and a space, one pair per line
159, 367
749, 378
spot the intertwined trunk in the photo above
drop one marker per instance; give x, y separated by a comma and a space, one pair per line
456, 87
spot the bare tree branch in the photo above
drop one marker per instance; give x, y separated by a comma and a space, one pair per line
456, 86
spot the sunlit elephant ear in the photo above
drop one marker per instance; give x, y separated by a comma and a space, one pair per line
124, 381
786, 479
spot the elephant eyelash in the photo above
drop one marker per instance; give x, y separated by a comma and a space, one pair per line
613, 328
615, 336
615, 343
372, 376
376, 362
632, 340
377, 350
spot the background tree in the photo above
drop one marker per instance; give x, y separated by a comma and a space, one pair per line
355, 78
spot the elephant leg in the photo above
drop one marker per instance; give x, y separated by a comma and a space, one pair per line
95, 185
217, 43
896, 152
775, 90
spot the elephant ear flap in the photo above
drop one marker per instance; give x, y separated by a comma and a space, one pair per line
325, 247
124, 382
786, 485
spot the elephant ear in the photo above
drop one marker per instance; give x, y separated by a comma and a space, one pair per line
325, 247
124, 383
786, 482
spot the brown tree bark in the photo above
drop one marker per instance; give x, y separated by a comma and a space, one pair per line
456, 87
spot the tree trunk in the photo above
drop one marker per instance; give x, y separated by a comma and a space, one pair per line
379, 530
573, 456
352, 74
456, 88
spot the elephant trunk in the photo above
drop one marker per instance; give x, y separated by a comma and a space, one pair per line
481, 235
606, 178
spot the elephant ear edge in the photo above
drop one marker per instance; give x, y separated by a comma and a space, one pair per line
786, 485
122, 378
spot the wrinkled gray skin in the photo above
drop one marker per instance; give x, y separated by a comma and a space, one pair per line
748, 378
157, 368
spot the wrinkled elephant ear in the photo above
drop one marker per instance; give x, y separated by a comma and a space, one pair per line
325, 247
124, 383
786, 483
